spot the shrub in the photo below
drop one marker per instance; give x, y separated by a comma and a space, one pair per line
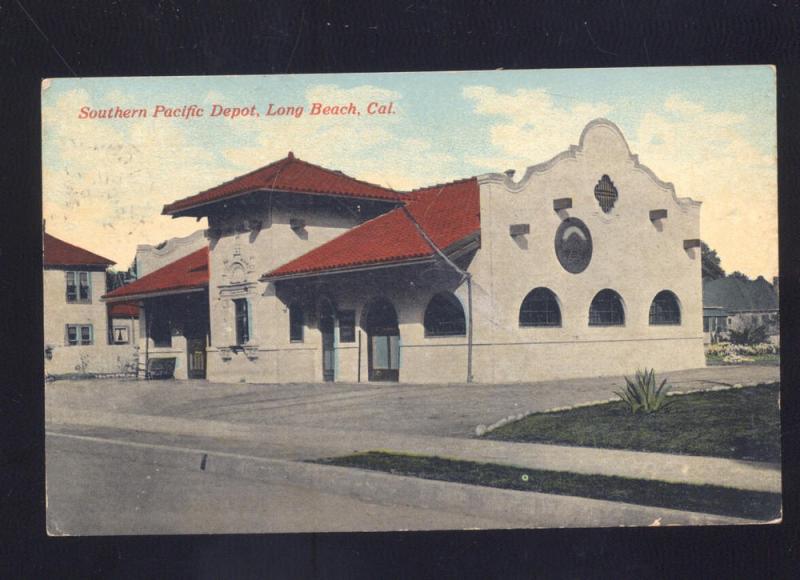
643, 393
752, 334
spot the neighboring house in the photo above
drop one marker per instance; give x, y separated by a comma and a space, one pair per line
76, 330
734, 304
587, 265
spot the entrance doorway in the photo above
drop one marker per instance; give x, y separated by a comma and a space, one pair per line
383, 341
196, 357
326, 327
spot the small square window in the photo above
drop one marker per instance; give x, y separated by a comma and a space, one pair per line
79, 334
120, 335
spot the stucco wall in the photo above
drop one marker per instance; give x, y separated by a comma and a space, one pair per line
150, 258
237, 260
99, 357
632, 255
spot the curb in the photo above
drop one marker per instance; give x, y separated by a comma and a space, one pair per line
519, 508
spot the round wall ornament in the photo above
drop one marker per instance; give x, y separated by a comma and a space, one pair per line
573, 245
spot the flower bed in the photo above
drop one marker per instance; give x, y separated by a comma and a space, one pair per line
730, 353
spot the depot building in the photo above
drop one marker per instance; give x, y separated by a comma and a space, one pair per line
586, 265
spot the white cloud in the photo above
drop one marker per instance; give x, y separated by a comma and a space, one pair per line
371, 148
104, 183
708, 157
705, 153
530, 127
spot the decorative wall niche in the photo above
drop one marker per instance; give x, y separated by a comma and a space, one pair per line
606, 193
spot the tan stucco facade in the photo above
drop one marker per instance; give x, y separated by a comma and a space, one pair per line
150, 258
62, 358
633, 254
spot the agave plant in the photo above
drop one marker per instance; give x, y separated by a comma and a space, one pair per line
643, 393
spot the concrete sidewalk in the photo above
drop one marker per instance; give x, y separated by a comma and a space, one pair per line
300, 443
514, 508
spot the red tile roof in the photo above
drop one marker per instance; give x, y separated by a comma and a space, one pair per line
60, 253
123, 310
187, 273
447, 213
287, 174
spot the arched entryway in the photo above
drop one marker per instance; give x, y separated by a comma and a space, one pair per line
383, 341
327, 324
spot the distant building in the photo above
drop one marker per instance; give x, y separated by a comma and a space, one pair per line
170, 299
76, 328
586, 265
734, 303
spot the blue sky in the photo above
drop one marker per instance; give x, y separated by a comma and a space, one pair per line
709, 130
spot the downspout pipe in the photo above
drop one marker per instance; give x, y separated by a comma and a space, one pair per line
464, 276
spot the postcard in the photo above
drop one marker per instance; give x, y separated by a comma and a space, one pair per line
411, 301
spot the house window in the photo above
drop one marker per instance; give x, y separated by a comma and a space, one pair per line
606, 309
295, 323
705, 324
79, 334
79, 287
347, 325
665, 309
445, 316
540, 308
242, 321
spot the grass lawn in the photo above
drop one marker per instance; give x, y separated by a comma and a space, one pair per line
698, 498
737, 423
772, 360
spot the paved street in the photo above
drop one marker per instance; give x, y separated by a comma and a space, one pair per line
446, 410
127, 491
94, 494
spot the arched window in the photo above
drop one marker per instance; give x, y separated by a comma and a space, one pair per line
606, 309
445, 316
540, 308
665, 309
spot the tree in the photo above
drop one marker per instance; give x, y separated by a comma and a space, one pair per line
711, 264
739, 276
117, 278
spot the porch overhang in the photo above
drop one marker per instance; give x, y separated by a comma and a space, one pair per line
349, 269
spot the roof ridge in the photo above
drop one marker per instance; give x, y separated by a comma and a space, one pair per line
340, 173
446, 183
231, 180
